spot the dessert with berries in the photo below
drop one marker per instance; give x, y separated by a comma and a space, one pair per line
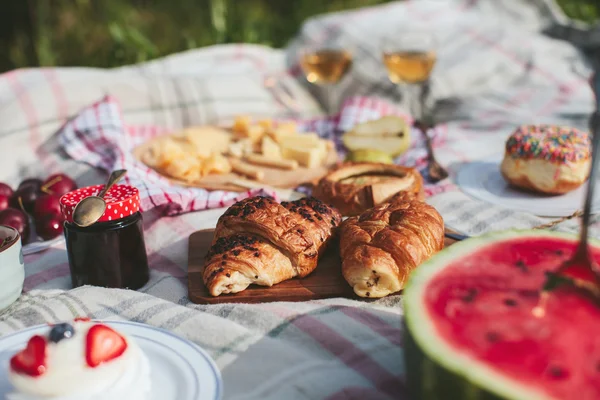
80, 360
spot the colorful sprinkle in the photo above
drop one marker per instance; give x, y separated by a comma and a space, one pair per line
549, 142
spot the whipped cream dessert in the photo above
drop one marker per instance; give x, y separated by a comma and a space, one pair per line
81, 360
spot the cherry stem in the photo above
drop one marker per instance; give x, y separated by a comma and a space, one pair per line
46, 188
20, 200
4, 241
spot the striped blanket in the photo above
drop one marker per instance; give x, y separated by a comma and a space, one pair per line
500, 64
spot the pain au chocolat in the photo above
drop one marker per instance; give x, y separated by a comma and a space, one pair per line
383, 245
355, 187
259, 241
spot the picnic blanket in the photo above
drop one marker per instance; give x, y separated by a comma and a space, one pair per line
500, 64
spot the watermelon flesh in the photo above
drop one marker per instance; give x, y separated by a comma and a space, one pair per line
481, 306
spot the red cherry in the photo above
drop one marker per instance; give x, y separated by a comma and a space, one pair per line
5, 190
25, 195
31, 360
33, 182
16, 219
4, 202
46, 206
103, 344
50, 227
58, 185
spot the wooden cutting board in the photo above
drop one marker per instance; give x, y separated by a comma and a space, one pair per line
276, 177
325, 282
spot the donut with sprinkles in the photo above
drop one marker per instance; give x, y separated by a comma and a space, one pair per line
548, 142
547, 158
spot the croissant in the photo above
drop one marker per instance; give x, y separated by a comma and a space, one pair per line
383, 245
355, 187
259, 241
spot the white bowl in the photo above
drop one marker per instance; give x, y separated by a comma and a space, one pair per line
12, 267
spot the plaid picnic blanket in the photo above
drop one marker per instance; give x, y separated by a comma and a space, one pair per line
497, 68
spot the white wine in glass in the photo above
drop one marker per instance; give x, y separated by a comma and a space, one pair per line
409, 66
325, 66
409, 58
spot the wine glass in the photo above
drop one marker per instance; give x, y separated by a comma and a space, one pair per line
409, 58
325, 65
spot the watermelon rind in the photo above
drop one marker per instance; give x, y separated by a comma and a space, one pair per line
434, 369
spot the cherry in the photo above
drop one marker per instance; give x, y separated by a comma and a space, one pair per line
26, 195
5, 190
50, 227
4, 202
17, 219
34, 182
45, 206
58, 184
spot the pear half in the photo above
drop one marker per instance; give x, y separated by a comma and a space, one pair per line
390, 135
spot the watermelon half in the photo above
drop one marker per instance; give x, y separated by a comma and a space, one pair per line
471, 333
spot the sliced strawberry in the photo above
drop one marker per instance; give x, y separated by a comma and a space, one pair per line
32, 359
82, 319
103, 344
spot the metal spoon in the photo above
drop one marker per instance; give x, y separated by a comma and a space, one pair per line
89, 210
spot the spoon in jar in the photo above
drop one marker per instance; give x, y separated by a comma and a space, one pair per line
89, 210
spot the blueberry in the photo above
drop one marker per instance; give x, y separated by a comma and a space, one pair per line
61, 331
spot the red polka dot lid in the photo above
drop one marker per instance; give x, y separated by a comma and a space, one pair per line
121, 201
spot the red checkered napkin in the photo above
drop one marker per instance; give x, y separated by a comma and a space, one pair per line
99, 136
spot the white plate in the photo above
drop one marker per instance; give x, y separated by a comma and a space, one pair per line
483, 180
180, 369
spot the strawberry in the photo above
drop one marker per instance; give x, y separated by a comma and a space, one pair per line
103, 344
32, 359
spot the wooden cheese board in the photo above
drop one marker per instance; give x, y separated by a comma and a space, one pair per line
325, 282
189, 150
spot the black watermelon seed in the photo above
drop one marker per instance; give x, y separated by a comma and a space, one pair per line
522, 266
470, 296
492, 337
558, 252
556, 372
510, 302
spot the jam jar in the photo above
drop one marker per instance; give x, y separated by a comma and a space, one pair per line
112, 252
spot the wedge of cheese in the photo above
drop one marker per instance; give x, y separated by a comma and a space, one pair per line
270, 149
206, 140
215, 164
308, 149
307, 157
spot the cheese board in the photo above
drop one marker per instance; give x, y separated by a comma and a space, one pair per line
325, 282
276, 177
269, 153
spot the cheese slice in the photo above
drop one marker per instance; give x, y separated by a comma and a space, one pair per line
270, 149
241, 124
241, 148
305, 140
206, 140
307, 157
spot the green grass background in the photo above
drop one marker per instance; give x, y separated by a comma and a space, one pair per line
110, 33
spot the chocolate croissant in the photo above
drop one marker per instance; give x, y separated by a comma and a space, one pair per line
259, 241
383, 245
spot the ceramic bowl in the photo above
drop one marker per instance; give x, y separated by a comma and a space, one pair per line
12, 267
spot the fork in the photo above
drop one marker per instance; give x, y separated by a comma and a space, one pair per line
581, 270
435, 171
